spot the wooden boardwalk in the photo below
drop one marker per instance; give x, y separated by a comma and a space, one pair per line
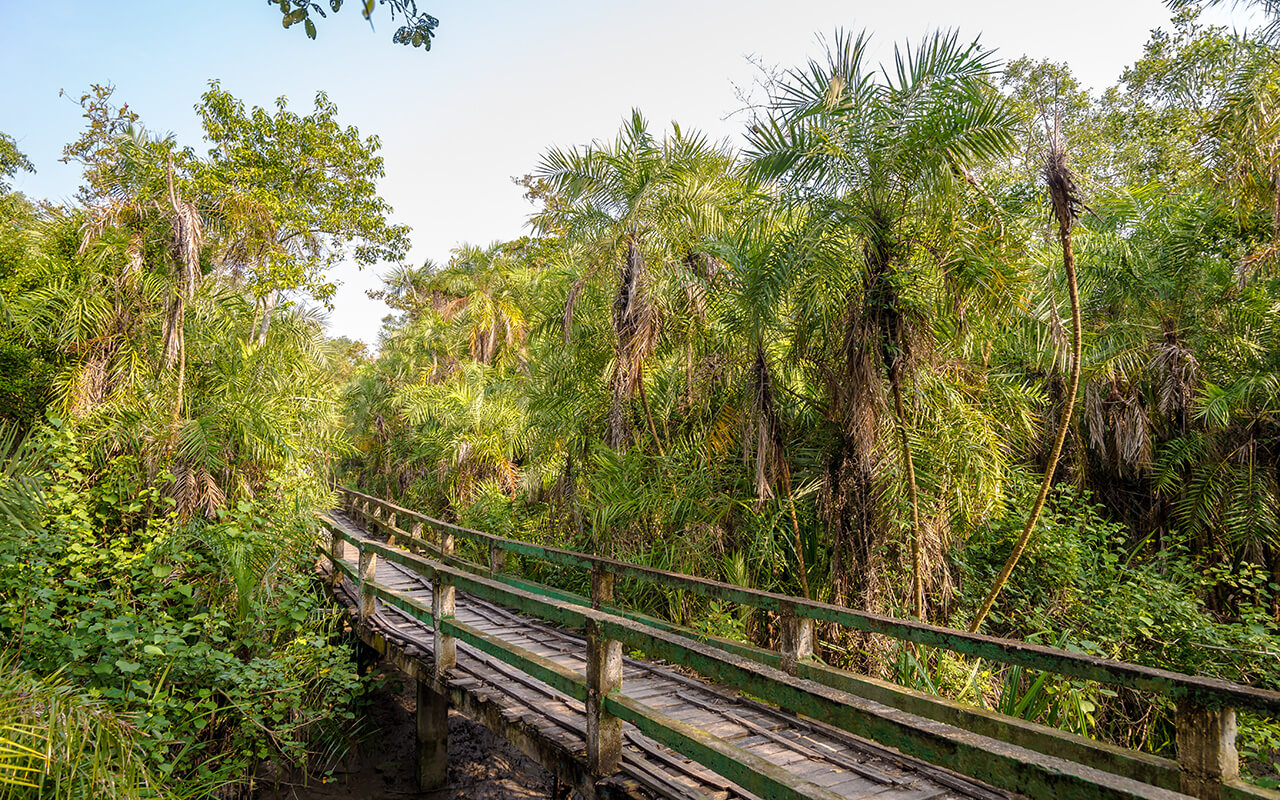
545, 669
846, 765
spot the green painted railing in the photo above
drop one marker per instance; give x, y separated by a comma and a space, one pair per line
1207, 765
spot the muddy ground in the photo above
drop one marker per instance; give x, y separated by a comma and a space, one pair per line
481, 765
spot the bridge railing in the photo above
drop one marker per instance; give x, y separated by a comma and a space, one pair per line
1207, 764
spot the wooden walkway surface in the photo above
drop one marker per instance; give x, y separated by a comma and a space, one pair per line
846, 765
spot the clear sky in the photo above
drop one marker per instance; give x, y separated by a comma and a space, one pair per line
503, 81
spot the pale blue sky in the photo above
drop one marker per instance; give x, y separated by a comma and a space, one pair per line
504, 81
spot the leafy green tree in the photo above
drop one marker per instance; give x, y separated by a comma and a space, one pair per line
293, 195
12, 161
155, 537
418, 29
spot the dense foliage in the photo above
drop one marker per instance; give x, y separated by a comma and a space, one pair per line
834, 362
837, 361
166, 452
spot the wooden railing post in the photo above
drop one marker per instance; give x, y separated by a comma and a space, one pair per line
391, 525
797, 639
367, 570
601, 586
604, 675
1207, 756
443, 605
497, 559
337, 549
415, 529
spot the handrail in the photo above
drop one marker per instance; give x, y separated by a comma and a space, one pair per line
1209, 693
1011, 768
744, 768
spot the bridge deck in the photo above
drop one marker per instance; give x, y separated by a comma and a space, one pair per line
845, 764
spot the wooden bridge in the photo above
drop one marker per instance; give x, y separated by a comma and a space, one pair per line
698, 717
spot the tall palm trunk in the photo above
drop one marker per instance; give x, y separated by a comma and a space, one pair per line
1066, 204
648, 415
625, 324
771, 458
851, 496
267, 304
187, 235
884, 306
917, 575
801, 567
632, 326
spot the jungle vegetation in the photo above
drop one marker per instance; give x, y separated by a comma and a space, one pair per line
944, 337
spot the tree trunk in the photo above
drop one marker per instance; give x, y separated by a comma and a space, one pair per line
917, 576
626, 326
801, 567
769, 453
174, 319
182, 380
268, 302
648, 415
187, 237
1065, 201
850, 498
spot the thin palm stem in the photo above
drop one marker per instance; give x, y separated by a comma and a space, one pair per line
1064, 200
917, 577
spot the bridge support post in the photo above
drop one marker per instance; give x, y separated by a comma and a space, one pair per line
415, 530
797, 640
433, 738
443, 605
391, 525
1207, 754
604, 675
368, 568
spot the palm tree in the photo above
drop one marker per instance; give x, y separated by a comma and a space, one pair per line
483, 288
639, 206
139, 201
876, 157
1245, 136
